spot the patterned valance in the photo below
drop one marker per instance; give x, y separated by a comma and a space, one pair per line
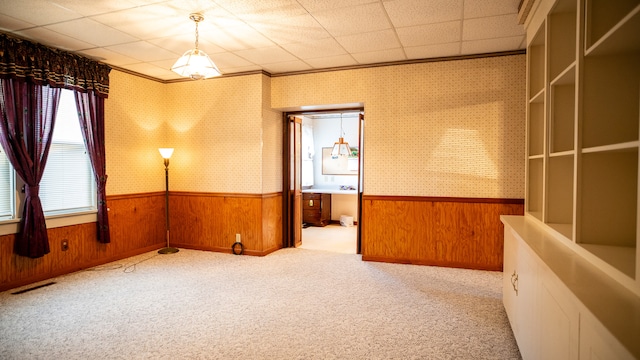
57, 68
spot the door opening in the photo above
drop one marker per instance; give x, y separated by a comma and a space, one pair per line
323, 191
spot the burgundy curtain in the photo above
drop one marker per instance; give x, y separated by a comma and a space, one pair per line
28, 113
91, 116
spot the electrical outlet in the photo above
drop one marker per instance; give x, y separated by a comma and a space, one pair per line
238, 238
65, 245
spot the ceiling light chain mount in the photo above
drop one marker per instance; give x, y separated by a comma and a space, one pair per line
196, 18
195, 63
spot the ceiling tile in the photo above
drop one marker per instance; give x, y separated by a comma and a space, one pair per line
380, 56
181, 43
143, 51
149, 69
319, 5
315, 49
238, 38
418, 12
239, 69
433, 51
91, 32
286, 66
266, 55
89, 8
52, 38
430, 34
491, 27
108, 56
260, 10
11, 24
227, 59
38, 12
354, 20
372, 41
491, 45
484, 8
293, 29
332, 61
149, 22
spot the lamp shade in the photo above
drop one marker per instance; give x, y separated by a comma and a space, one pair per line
341, 148
166, 152
196, 65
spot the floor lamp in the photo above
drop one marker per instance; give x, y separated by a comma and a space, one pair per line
166, 155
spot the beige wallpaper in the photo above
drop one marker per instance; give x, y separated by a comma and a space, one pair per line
135, 127
452, 128
271, 142
215, 127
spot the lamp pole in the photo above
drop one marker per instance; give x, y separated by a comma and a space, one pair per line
166, 155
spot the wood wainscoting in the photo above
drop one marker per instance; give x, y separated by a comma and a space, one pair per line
136, 224
210, 221
453, 232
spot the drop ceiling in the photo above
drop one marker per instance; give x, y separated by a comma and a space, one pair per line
276, 36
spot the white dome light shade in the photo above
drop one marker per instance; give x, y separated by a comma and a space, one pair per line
195, 64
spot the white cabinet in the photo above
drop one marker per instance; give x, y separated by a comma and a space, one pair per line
519, 295
596, 343
541, 313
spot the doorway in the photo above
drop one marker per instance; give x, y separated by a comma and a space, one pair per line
322, 202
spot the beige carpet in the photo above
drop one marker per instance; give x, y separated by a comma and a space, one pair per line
334, 238
292, 304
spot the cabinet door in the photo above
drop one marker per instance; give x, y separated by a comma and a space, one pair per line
597, 343
509, 276
519, 294
526, 308
559, 319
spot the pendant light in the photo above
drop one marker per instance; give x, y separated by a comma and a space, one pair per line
341, 147
194, 63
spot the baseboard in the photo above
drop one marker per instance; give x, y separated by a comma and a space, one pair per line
225, 250
69, 270
460, 265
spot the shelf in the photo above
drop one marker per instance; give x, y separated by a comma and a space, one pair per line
562, 36
559, 193
612, 26
608, 198
613, 147
536, 56
620, 257
562, 114
535, 180
567, 76
538, 98
610, 99
562, 153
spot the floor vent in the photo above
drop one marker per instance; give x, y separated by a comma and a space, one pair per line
32, 288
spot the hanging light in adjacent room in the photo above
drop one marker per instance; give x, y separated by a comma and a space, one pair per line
195, 63
341, 147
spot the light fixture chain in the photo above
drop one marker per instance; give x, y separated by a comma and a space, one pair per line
197, 34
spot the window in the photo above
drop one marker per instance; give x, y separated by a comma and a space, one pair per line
7, 188
67, 185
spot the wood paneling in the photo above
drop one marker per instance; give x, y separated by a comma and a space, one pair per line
137, 226
452, 232
271, 222
210, 221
